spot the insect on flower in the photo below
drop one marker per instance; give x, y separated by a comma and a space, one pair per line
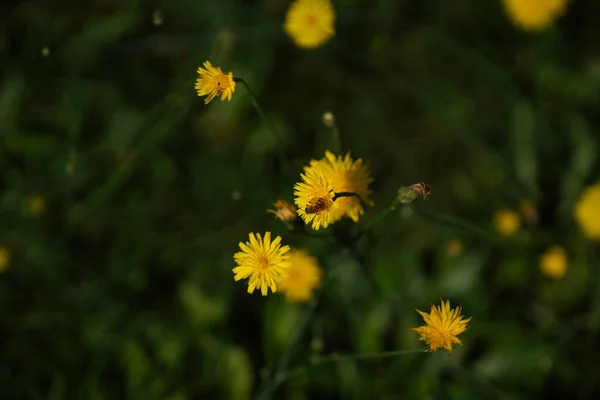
319, 205
422, 189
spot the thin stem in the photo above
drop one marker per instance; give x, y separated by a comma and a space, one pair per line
278, 377
379, 217
335, 135
472, 378
461, 224
333, 358
261, 113
337, 195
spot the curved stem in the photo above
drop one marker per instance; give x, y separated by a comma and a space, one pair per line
333, 358
278, 377
282, 158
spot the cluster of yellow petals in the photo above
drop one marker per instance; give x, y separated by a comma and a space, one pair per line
325, 178
534, 15
310, 23
442, 326
214, 82
303, 277
587, 212
263, 261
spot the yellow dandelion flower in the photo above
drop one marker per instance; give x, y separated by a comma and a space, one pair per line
346, 175
534, 15
553, 262
303, 277
507, 222
36, 205
310, 23
214, 82
4, 259
284, 211
442, 326
314, 198
587, 212
263, 261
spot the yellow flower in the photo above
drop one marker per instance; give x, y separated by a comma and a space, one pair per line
310, 22
553, 262
36, 205
214, 82
442, 325
587, 212
284, 211
4, 259
265, 262
304, 276
454, 248
346, 176
507, 222
314, 198
534, 15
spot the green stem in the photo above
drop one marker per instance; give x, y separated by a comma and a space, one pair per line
278, 377
378, 218
337, 143
460, 224
282, 158
333, 358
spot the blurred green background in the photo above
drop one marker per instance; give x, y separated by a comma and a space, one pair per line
124, 198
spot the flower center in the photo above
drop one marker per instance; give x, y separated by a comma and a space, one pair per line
222, 82
263, 262
310, 20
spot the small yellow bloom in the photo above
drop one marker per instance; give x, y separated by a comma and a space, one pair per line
346, 175
553, 262
4, 259
534, 15
310, 23
454, 248
314, 198
284, 211
265, 262
214, 82
304, 276
507, 222
36, 205
442, 325
587, 212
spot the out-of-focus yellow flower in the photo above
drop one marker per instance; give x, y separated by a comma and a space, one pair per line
349, 176
328, 119
553, 262
587, 212
4, 259
265, 262
534, 15
303, 277
454, 248
284, 211
310, 23
507, 222
36, 205
529, 212
314, 198
214, 82
442, 326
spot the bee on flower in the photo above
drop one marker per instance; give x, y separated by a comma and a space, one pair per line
314, 197
346, 176
214, 82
